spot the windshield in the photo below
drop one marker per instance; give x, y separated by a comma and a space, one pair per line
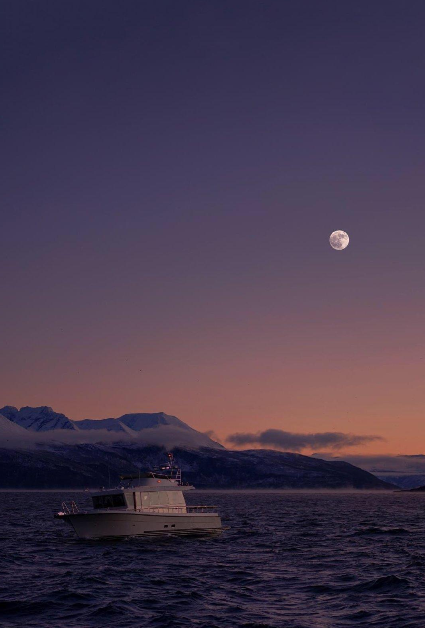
109, 501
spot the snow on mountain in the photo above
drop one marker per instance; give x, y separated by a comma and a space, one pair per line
10, 412
10, 432
136, 422
111, 425
142, 421
40, 419
155, 428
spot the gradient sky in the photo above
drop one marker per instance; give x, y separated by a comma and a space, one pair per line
171, 173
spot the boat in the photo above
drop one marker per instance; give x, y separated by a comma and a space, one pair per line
151, 504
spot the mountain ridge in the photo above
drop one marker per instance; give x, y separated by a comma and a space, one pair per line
154, 426
38, 419
41, 448
91, 466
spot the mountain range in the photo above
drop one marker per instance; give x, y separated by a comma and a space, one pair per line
153, 428
40, 448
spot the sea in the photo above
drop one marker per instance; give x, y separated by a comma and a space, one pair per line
285, 559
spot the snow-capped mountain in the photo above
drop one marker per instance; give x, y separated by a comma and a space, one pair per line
155, 428
111, 425
137, 422
10, 431
40, 419
40, 448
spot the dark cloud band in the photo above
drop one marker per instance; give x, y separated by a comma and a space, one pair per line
292, 441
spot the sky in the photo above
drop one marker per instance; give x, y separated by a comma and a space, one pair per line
171, 173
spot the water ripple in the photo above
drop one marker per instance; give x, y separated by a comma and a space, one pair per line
286, 560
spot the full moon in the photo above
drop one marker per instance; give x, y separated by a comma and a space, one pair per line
339, 240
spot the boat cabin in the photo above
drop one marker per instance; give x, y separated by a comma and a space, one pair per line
145, 492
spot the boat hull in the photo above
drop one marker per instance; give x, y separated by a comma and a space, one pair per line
123, 524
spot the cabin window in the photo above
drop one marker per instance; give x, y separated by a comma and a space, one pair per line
109, 501
176, 498
156, 499
163, 498
148, 500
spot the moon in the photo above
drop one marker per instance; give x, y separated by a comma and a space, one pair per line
339, 240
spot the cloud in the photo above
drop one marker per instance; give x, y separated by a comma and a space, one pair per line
291, 441
168, 436
211, 434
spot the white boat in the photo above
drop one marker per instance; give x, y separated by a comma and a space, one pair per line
150, 503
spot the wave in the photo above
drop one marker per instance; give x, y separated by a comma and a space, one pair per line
377, 530
260, 575
383, 584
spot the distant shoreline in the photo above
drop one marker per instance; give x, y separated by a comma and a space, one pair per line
223, 490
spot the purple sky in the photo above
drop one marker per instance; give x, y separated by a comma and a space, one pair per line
171, 173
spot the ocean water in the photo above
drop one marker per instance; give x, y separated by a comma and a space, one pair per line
295, 560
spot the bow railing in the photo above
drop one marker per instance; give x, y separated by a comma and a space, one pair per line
72, 509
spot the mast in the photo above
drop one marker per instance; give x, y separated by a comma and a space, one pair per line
173, 470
